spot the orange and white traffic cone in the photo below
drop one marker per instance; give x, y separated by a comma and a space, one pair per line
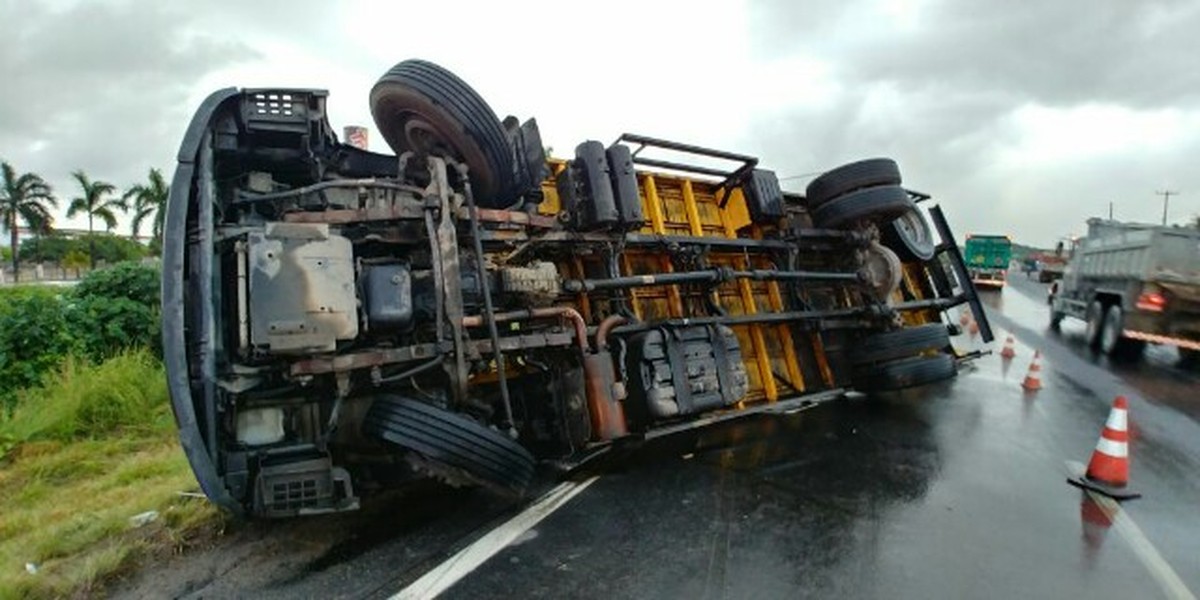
1108, 471
1033, 379
1008, 351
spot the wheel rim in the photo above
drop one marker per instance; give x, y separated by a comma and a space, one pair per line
912, 226
1112, 329
882, 268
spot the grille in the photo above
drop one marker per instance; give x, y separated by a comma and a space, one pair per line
273, 104
297, 494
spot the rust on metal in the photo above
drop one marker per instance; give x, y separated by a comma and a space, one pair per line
538, 313
363, 360
344, 216
492, 215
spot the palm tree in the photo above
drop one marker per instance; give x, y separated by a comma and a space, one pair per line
148, 200
94, 203
28, 198
42, 225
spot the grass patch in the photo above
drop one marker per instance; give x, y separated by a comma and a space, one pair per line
126, 394
84, 453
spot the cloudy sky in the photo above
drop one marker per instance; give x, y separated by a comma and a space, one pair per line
1022, 118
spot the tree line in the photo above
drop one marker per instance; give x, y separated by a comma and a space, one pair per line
27, 200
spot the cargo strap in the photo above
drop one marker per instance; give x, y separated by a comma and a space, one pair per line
721, 356
677, 362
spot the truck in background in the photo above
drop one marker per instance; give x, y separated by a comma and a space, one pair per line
1052, 264
987, 258
1133, 284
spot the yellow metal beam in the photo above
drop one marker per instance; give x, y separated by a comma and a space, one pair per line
756, 336
654, 207
791, 361
693, 213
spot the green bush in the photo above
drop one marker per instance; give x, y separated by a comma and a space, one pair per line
116, 309
35, 336
130, 280
110, 311
10, 294
104, 326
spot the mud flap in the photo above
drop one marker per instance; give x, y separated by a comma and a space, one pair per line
949, 246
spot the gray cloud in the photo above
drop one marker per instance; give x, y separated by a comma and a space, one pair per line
1132, 52
110, 86
940, 93
103, 87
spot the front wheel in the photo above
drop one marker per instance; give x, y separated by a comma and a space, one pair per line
451, 446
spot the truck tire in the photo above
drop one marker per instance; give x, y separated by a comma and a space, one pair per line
882, 203
850, 177
420, 106
901, 343
910, 236
1113, 341
1095, 324
450, 444
904, 373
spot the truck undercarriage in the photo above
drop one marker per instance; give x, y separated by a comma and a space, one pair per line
337, 321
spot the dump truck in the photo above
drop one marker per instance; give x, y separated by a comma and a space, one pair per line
988, 257
1133, 284
338, 321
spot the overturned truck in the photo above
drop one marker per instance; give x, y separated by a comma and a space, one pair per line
337, 321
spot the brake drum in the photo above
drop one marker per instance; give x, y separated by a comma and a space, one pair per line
881, 269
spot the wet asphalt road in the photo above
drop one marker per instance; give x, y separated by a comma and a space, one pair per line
952, 491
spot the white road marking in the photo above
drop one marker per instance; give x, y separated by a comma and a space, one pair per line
1154, 562
441, 577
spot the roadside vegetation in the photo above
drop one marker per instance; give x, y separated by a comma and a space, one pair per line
87, 439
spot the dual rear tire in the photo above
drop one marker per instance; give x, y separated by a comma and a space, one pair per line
1105, 331
867, 190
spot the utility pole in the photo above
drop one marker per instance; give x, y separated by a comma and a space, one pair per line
1166, 194
1110, 211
